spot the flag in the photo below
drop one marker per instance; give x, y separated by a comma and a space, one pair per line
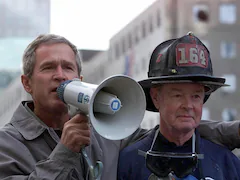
129, 63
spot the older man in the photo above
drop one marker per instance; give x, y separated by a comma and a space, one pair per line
180, 82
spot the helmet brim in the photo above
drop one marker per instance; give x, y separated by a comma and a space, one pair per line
213, 83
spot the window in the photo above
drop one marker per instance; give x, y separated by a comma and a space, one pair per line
123, 46
150, 24
129, 40
200, 13
143, 29
228, 50
229, 114
158, 18
117, 52
232, 81
136, 35
227, 13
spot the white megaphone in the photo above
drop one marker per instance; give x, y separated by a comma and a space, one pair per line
116, 107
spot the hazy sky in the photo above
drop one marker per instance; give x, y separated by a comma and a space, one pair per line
91, 23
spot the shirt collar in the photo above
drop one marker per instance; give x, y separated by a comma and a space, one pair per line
26, 122
163, 145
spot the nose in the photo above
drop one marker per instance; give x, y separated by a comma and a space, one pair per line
187, 102
59, 74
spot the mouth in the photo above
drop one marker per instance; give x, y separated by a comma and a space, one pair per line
185, 116
54, 90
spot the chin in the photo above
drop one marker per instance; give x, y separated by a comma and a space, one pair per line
186, 127
58, 105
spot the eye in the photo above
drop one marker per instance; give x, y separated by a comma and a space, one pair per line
47, 67
177, 95
196, 96
70, 67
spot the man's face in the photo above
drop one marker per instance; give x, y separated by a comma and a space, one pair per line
180, 105
54, 64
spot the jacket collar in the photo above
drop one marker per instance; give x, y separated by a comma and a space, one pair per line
148, 140
26, 122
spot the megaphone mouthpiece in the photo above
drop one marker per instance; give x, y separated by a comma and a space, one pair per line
60, 89
76, 93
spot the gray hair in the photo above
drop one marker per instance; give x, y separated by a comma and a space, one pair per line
29, 56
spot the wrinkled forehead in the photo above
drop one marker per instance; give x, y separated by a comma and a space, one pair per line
182, 87
55, 52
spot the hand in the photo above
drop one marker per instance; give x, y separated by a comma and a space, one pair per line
76, 133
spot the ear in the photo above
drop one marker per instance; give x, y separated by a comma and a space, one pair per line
154, 95
26, 82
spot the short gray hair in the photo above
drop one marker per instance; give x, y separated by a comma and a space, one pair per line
29, 56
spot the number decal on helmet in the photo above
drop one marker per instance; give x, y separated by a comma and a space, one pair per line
191, 55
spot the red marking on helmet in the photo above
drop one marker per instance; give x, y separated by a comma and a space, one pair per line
158, 58
191, 55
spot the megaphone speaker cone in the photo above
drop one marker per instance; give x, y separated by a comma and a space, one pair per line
130, 103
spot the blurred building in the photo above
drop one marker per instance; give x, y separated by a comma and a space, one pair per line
24, 18
216, 23
21, 21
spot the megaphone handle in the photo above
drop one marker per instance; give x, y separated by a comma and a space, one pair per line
95, 172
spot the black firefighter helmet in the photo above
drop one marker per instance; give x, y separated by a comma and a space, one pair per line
181, 60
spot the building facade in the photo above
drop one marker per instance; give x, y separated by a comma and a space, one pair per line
21, 21
215, 22
219, 32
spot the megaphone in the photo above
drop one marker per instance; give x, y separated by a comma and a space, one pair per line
116, 106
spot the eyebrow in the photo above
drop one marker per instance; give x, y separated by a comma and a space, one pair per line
179, 90
54, 62
47, 63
